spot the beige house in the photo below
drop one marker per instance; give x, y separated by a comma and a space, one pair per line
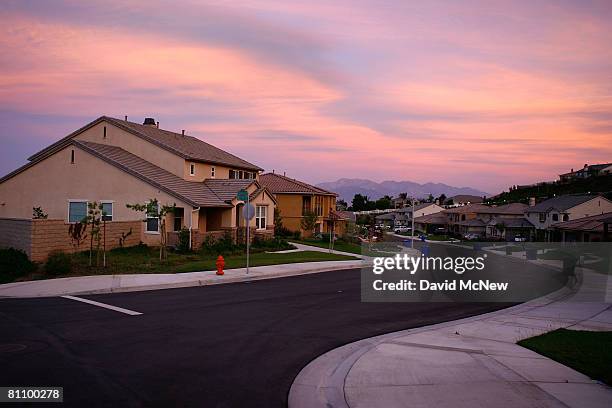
116, 162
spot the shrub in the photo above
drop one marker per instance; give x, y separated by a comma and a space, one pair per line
14, 264
297, 235
58, 263
274, 244
183, 240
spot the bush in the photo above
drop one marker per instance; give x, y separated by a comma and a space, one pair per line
14, 264
183, 241
58, 263
297, 235
223, 246
274, 244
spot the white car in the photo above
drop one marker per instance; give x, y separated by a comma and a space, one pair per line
402, 228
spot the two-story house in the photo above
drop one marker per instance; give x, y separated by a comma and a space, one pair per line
296, 198
565, 208
116, 162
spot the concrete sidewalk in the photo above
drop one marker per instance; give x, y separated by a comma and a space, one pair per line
465, 363
127, 283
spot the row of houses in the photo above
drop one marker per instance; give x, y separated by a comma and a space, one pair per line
117, 162
579, 217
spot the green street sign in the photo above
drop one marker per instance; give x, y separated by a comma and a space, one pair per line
242, 195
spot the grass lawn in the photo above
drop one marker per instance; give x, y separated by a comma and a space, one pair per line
584, 351
146, 260
338, 245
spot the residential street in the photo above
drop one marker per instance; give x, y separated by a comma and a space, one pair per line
234, 345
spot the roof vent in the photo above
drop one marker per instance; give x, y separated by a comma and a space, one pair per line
149, 122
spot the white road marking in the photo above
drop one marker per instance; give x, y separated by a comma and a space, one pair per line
104, 305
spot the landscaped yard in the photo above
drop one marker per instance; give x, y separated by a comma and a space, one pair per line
585, 351
143, 259
338, 245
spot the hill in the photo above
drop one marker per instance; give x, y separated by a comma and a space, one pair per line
347, 188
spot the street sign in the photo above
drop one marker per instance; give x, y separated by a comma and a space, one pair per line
242, 195
248, 211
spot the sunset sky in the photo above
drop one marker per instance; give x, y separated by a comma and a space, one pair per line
483, 94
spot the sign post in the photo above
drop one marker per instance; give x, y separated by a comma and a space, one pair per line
248, 212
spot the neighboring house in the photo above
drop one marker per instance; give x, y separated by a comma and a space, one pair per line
116, 162
404, 215
595, 228
565, 208
436, 223
510, 228
385, 220
463, 199
587, 171
295, 198
473, 218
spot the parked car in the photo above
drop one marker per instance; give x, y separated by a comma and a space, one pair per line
402, 228
439, 231
471, 236
520, 239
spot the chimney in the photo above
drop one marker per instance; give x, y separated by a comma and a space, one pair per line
149, 122
183, 132
157, 125
532, 201
586, 165
125, 118
272, 171
285, 173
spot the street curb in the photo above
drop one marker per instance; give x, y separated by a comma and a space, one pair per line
321, 382
216, 280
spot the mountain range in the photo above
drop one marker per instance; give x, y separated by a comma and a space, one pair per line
347, 188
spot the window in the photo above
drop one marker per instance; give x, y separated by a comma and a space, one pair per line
179, 214
191, 169
104, 134
77, 210
153, 221
319, 205
555, 217
72, 156
565, 217
107, 208
306, 204
542, 217
232, 174
212, 172
260, 216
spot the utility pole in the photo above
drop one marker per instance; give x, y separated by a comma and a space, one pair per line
412, 230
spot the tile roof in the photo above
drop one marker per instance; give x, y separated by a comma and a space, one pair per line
592, 223
193, 193
509, 209
436, 218
227, 189
470, 208
347, 215
187, 147
283, 184
464, 198
408, 208
561, 203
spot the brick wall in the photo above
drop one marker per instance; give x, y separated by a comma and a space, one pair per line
16, 233
38, 238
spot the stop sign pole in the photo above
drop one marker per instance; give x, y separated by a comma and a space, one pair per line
247, 213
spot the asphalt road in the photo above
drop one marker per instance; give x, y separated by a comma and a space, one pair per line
234, 345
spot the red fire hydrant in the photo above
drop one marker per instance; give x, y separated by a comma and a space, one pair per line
220, 265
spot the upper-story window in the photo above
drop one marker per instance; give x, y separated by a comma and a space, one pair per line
192, 169
306, 204
104, 133
555, 217
72, 156
542, 217
212, 172
565, 217
241, 175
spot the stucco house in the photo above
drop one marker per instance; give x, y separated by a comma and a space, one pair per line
117, 162
565, 208
295, 198
595, 228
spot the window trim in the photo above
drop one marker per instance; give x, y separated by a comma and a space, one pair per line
76, 200
257, 217
212, 171
192, 169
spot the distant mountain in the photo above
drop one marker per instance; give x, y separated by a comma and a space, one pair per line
347, 188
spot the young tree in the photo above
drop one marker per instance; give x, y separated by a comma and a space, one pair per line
309, 221
39, 214
341, 205
154, 210
383, 203
94, 219
279, 229
77, 234
442, 199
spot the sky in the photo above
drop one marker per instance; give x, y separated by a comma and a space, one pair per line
484, 94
